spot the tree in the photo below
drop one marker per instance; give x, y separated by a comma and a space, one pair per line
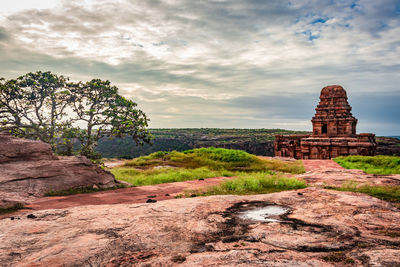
47, 107
34, 106
103, 112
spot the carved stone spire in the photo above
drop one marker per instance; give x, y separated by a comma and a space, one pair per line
333, 116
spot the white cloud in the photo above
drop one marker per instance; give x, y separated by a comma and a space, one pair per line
210, 52
12, 6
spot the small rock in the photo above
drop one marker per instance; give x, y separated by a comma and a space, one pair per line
193, 195
167, 195
12, 218
151, 201
201, 179
31, 216
300, 194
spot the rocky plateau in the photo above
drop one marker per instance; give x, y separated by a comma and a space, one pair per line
320, 228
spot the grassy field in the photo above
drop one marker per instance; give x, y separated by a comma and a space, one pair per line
165, 167
165, 175
215, 159
252, 183
373, 165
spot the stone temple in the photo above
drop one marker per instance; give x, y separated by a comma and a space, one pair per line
334, 132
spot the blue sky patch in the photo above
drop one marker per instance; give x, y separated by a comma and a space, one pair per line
319, 20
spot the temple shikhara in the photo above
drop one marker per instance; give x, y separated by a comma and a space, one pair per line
334, 132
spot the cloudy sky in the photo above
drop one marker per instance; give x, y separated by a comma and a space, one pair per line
225, 64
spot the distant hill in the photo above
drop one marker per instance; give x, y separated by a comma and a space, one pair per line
255, 141
388, 145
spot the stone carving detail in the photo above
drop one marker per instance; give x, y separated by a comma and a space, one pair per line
334, 132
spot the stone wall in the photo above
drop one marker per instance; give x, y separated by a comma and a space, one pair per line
309, 147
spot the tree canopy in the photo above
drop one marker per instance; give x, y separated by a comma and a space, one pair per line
49, 108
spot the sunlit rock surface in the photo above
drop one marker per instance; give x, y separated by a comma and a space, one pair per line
208, 231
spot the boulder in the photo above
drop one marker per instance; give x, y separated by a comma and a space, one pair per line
19, 150
29, 169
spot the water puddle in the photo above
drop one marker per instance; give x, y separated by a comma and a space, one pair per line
264, 214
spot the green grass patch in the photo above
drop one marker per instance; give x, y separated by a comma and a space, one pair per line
387, 193
215, 159
80, 190
255, 174
13, 208
252, 183
371, 164
165, 175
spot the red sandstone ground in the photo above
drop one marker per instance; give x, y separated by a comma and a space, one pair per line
321, 165
321, 228
143, 193
318, 173
126, 195
322, 173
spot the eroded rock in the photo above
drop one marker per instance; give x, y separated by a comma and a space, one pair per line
29, 169
209, 231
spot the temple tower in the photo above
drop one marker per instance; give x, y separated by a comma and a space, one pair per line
334, 132
333, 116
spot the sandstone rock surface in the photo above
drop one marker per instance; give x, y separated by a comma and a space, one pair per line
321, 228
28, 169
322, 173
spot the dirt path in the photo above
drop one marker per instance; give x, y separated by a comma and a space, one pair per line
143, 193
126, 195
